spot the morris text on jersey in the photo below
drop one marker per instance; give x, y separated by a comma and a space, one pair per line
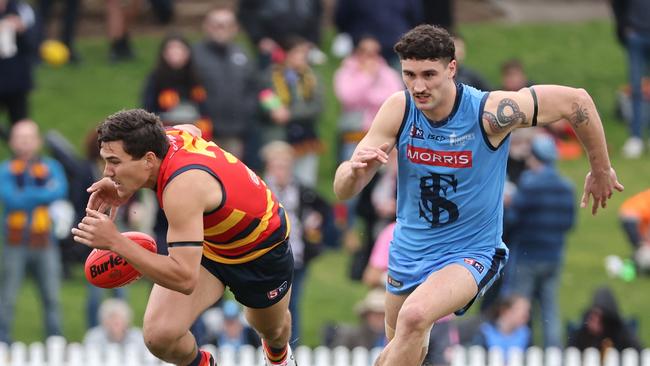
452, 159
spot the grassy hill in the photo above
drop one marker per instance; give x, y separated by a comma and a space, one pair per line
74, 99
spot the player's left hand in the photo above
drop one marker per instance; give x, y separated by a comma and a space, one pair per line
601, 186
96, 230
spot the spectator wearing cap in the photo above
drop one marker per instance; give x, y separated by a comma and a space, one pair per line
539, 216
235, 332
370, 331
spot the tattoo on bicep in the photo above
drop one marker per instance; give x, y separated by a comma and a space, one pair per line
492, 121
579, 116
508, 114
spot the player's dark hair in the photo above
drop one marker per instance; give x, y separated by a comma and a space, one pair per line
139, 131
426, 42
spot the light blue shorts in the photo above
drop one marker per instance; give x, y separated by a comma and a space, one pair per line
485, 265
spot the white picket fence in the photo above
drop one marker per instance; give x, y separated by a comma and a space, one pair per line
57, 352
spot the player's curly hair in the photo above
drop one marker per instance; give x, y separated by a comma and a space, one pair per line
139, 131
426, 42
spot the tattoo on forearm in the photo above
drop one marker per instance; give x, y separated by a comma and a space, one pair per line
579, 116
508, 114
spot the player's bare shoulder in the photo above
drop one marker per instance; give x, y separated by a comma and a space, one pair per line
506, 110
390, 115
193, 188
397, 101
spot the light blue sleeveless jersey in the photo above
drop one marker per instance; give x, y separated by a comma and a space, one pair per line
450, 183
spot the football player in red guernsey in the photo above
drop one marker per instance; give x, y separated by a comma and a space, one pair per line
226, 228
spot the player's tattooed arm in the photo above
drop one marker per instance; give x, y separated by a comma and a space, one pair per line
579, 116
508, 115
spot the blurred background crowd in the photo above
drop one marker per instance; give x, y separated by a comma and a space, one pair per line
249, 74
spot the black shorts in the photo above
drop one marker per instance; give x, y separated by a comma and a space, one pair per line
259, 283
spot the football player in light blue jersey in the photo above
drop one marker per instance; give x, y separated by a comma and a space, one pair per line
452, 143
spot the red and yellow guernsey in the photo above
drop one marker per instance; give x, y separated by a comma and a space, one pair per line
249, 222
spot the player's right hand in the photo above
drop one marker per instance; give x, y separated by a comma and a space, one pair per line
367, 154
104, 196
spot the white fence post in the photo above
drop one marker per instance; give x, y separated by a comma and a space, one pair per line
4, 354
133, 355
516, 357
553, 357
534, 357
249, 355
629, 357
572, 357
227, 356
611, 358
37, 354
645, 357
495, 357
476, 356
113, 355
18, 354
93, 355
322, 357
458, 356
341, 356
303, 355
591, 357
56, 346
76, 357
360, 357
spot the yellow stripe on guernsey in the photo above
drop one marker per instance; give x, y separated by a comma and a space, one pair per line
264, 223
250, 256
197, 145
230, 221
247, 258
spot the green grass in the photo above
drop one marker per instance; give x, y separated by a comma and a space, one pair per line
74, 99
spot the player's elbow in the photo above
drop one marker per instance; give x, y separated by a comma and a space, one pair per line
187, 287
341, 191
573, 103
339, 194
187, 282
337, 190
581, 97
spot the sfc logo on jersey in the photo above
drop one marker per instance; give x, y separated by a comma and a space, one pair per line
417, 133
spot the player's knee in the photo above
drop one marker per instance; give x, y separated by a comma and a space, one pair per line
275, 333
159, 337
413, 318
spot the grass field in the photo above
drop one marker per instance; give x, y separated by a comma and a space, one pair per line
74, 99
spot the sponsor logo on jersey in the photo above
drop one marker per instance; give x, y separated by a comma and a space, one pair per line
451, 159
417, 133
436, 138
461, 140
278, 291
474, 263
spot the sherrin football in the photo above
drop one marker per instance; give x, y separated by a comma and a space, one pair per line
108, 270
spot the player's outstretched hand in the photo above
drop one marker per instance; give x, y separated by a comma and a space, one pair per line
601, 187
367, 154
104, 196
